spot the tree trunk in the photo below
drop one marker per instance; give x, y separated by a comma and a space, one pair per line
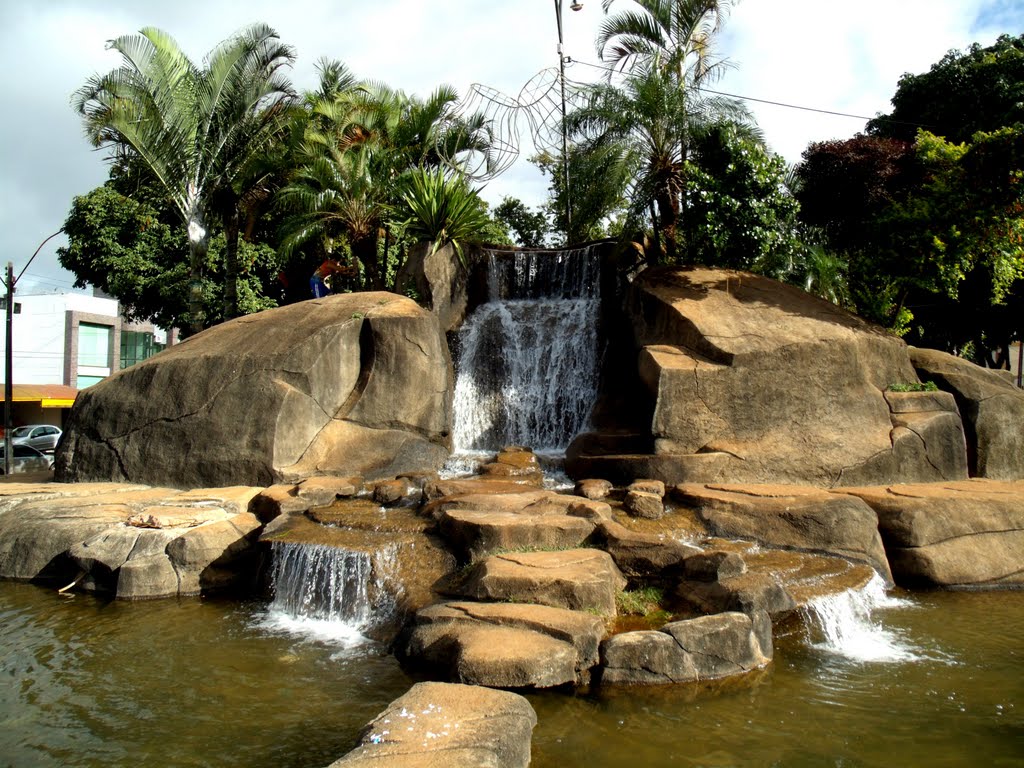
231, 234
198, 246
669, 214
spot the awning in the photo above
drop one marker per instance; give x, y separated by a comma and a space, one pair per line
47, 395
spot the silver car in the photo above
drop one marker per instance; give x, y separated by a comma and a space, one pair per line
42, 437
26, 459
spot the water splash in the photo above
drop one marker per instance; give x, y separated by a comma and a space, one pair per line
331, 593
843, 624
528, 358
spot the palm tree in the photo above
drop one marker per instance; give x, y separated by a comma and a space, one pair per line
362, 140
648, 124
650, 109
678, 33
195, 127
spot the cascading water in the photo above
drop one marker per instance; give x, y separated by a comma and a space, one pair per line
528, 357
330, 591
842, 624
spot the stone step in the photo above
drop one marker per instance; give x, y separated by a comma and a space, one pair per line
577, 579
476, 533
706, 648
505, 645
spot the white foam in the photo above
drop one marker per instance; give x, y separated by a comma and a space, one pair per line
844, 625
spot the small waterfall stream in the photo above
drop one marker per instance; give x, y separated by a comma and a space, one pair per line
843, 625
330, 591
528, 357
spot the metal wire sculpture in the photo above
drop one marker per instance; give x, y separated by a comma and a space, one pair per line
537, 108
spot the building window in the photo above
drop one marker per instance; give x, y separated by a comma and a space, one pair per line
94, 345
137, 346
88, 381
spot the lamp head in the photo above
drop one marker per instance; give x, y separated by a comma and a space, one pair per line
576, 6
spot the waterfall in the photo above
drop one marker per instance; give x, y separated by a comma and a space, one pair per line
843, 624
528, 357
330, 591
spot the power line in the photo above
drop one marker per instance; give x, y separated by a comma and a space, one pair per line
771, 102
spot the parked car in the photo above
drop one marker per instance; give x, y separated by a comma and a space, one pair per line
25, 458
42, 437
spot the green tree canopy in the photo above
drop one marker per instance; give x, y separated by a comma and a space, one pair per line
195, 127
980, 89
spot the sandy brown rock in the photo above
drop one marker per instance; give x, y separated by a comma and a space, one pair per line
577, 579
649, 506
992, 408
969, 533
476, 533
645, 557
593, 488
705, 648
795, 517
441, 725
132, 542
505, 645
348, 384
754, 381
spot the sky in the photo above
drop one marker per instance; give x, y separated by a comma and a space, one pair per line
822, 54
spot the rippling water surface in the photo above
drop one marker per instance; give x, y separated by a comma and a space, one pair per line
85, 682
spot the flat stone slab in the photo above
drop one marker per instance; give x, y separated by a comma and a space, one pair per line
441, 725
505, 645
577, 579
645, 557
478, 533
966, 533
706, 648
774, 581
791, 516
534, 503
133, 541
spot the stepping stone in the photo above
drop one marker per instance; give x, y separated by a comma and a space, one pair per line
477, 533
505, 645
578, 579
440, 724
645, 557
706, 648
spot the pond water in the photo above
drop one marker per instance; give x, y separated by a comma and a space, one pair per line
203, 682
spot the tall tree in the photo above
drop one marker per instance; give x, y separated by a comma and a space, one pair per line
980, 89
195, 127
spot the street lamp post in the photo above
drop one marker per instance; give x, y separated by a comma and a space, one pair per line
565, 137
10, 282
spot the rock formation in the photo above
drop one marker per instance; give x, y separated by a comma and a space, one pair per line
992, 408
751, 380
349, 384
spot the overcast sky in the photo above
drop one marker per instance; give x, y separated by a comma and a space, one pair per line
825, 54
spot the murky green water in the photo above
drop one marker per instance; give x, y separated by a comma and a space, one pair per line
89, 683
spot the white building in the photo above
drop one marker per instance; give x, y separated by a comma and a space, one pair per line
73, 340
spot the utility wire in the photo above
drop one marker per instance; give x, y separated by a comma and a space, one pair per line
613, 70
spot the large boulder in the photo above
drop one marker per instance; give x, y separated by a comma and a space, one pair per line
992, 408
355, 384
965, 534
132, 542
440, 725
753, 380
